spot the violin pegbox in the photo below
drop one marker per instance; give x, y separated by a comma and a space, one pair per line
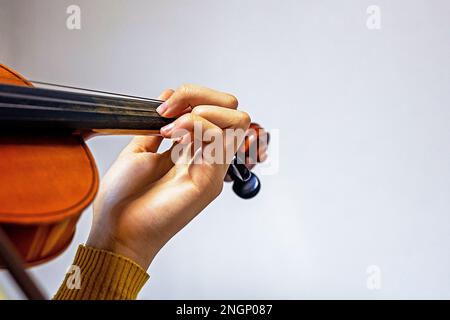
254, 150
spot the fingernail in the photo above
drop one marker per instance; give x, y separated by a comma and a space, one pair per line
162, 108
167, 129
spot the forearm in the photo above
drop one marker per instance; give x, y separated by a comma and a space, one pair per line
101, 275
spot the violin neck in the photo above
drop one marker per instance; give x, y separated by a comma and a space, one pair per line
28, 108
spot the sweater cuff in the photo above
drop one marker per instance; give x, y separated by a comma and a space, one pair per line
101, 275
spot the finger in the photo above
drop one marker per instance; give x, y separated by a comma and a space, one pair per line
148, 143
188, 123
223, 118
210, 119
234, 122
197, 129
144, 144
190, 95
206, 173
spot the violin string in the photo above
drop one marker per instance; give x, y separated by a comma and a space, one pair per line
95, 91
144, 108
79, 111
104, 95
81, 103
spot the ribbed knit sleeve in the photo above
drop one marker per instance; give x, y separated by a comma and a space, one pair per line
97, 274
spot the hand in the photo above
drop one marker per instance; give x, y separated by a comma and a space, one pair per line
144, 198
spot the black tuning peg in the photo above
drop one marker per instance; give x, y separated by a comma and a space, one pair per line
245, 183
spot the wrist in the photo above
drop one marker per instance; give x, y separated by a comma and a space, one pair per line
143, 257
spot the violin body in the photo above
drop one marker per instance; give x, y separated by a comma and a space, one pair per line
47, 180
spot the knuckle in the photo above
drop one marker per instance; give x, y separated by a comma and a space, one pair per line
185, 119
199, 110
188, 121
213, 189
186, 89
194, 118
183, 122
208, 185
216, 189
191, 116
232, 101
244, 119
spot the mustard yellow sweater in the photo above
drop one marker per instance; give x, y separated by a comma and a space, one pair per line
98, 274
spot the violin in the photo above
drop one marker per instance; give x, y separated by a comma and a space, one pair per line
49, 175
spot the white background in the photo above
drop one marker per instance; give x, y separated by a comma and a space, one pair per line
364, 124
